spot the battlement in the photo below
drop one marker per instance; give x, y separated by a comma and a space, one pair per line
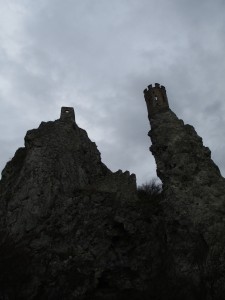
67, 114
156, 99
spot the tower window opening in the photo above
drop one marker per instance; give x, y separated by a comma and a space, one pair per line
67, 111
156, 98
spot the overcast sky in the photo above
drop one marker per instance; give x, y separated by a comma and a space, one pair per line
98, 56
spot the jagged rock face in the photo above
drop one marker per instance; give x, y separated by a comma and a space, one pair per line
194, 202
57, 160
70, 228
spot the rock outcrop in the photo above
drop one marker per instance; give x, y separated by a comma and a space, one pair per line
71, 228
194, 200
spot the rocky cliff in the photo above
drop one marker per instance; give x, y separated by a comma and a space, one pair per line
194, 200
71, 228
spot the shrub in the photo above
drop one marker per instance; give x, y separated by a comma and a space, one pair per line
152, 188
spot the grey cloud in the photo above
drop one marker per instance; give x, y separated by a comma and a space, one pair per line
99, 56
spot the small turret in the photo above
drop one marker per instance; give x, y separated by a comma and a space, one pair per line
67, 114
156, 99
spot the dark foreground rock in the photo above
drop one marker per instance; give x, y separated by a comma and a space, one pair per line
71, 228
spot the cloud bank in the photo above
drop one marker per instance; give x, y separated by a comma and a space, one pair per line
99, 56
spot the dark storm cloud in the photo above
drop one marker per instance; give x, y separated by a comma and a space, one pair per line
98, 56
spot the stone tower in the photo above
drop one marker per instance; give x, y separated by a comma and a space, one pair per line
67, 114
156, 99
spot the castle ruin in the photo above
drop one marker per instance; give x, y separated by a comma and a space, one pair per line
156, 99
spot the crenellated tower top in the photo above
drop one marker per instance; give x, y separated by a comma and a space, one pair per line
156, 99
